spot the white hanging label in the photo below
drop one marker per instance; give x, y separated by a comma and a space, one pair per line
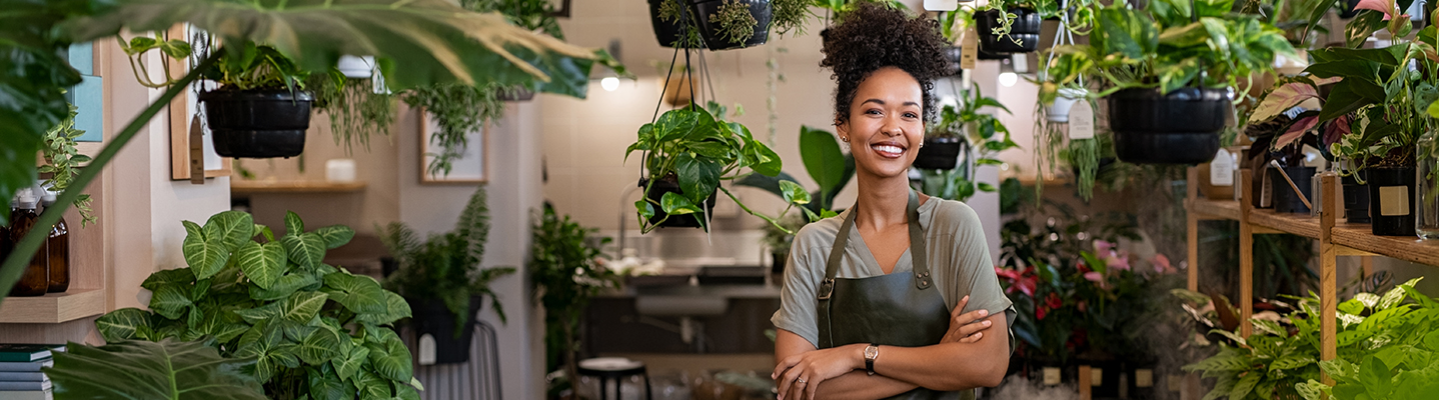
1081, 120
1394, 201
1221, 170
1096, 377
1143, 378
969, 49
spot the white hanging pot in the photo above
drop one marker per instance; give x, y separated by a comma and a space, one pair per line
1059, 111
356, 67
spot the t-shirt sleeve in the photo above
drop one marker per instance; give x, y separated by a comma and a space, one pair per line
976, 276
797, 302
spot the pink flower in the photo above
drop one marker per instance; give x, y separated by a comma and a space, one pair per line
1094, 276
1103, 248
1118, 261
1385, 6
1161, 264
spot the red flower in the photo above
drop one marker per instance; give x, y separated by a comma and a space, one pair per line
1053, 300
1041, 311
1023, 281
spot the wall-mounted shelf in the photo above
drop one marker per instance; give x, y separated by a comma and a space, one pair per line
253, 187
53, 308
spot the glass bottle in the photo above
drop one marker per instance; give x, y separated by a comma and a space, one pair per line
1426, 210
58, 249
36, 278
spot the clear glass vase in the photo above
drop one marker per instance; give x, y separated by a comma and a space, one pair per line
1426, 212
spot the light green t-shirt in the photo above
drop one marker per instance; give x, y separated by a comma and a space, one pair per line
958, 260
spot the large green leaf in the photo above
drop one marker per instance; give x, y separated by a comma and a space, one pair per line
150, 370
320, 346
327, 386
698, 178
821, 156
372, 386
303, 306
165, 277
170, 301
122, 324
206, 255
335, 235
283, 287
396, 308
359, 294
348, 366
391, 359
305, 249
232, 228
263, 264
419, 42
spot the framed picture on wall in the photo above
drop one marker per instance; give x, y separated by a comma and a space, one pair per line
183, 109
468, 168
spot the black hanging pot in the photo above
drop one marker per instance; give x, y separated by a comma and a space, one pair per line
1391, 200
779, 259
1356, 199
257, 123
668, 33
952, 58
1349, 10
707, 12
1024, 29
431, 317
1181, 127
516, 95
671, 184
1285, 199
939, 153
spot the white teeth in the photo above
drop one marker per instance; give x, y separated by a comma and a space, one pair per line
888, 149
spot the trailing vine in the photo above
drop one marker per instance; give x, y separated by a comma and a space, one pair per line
458, 109
356, 111
735, 21
1084, 157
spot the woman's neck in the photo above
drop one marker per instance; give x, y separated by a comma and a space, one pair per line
882, 202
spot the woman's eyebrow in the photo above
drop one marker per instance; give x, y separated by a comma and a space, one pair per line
881, 102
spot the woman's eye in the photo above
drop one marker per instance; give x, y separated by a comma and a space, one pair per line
911, 115
872, 112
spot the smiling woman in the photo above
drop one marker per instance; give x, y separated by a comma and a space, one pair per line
894, 297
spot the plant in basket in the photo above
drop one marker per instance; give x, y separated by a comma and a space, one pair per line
686, 154
442, 280
1166, 72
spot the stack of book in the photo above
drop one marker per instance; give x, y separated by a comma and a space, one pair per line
20, 376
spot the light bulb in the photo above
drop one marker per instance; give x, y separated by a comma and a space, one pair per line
611, 83
1008, 79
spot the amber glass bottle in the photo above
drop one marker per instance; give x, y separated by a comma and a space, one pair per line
59, 250
35, 281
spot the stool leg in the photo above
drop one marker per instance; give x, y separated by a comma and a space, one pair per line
649, 391
605, 389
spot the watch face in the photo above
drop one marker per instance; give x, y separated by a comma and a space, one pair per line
871, 352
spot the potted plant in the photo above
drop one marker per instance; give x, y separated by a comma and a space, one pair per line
442, 280
1384, 102
309, 327
686, 154
566, 276
259, 110
945, 141
1166, 76
733, 24
1008, 30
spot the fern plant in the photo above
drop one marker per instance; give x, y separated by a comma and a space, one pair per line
445, 266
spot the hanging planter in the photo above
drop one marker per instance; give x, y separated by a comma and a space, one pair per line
1391, 200
259, 123
517, 95
670, 33
1024, 29
725, 24
1181, 127
1059, 111
431, 317
940, 152
670, 184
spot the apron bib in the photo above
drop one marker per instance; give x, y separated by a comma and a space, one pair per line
897, 309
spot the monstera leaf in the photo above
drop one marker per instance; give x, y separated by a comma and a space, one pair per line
419, 41
152, 370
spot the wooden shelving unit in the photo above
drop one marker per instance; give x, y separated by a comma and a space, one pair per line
1336, 239
253, 187
53, 308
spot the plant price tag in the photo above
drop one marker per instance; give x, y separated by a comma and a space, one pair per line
1081, 120
969, 49
1051, 376
1393, 201
1096, 377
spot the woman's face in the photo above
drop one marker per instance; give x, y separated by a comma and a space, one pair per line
886, 124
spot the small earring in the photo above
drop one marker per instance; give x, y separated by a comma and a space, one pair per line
844, 139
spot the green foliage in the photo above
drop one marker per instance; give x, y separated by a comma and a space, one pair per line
534, 15
1385, 99
458, 109
63, 161
271, 301
1168, 45
736, 24
356, 111
446, 266
136, 369
789, 15
696, 150
1386, 349
562, 267
830, 167
984, 131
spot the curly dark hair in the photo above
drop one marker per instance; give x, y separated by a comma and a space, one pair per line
873, 36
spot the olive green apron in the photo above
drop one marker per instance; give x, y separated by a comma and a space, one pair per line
897, 309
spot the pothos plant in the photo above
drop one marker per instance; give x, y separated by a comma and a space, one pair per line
988, 136
691, 148
315, 331
1281, 358
62, 162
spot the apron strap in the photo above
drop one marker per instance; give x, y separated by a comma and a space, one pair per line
919, 256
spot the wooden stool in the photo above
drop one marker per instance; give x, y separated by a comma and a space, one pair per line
608, 369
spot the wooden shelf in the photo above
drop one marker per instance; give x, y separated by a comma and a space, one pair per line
1215, 209
252, 187
1298, 224
53, 308
1408, 248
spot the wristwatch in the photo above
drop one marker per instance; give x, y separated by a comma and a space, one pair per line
871, 352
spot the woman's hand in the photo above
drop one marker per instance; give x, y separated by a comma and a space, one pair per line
965, 328
799, 375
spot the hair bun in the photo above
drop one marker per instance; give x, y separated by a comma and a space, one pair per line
873, 36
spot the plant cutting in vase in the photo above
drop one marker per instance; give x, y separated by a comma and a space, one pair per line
442, 279
563, 268
63, 161
313, 330
692, 153
1166, 71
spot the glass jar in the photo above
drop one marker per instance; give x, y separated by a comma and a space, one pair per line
1426, 212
